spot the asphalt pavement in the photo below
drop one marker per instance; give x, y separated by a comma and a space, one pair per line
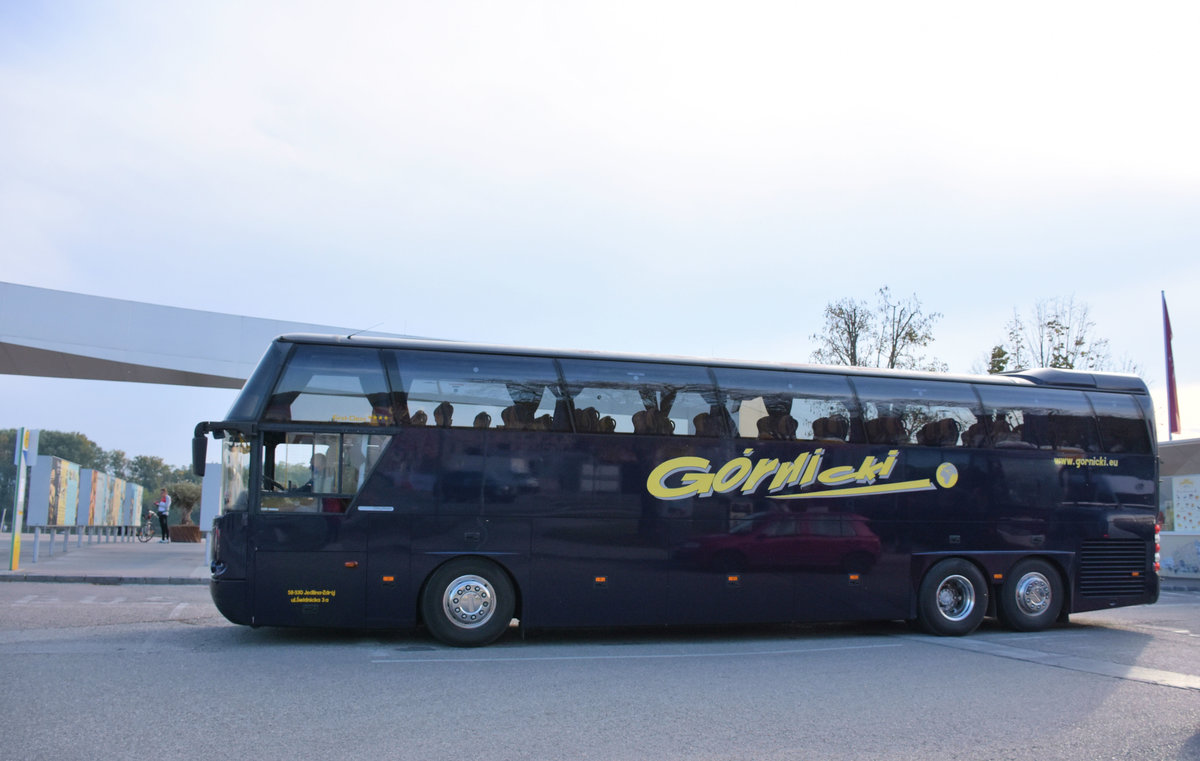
105, 560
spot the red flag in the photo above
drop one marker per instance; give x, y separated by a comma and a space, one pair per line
1172, 393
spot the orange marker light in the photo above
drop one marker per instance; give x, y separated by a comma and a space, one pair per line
389, 579
733, 578
601, 579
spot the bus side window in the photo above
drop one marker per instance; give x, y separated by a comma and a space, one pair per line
360, 452
1040, 418
1122, 427
784, 405
467, 390
924, 413
1073, 424
291, 465
316, 472
640, 398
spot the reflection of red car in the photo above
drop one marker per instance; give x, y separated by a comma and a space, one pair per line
820, 541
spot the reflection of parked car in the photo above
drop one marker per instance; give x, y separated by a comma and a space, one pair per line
819, 541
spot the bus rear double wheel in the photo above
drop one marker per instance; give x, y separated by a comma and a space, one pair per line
468, 602
1032, 596
953, 598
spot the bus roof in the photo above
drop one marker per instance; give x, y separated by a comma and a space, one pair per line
1050, 377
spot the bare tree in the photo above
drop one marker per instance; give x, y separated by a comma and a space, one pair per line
847, 338
1055, 333
902, 330
889, 335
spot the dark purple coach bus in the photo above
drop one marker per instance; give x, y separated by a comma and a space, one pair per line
392, 483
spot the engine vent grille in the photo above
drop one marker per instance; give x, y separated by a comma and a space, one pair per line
1113, 567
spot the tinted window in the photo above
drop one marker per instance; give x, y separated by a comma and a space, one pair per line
1039, 418
924, 413
1122, 428
331, 384
643, 398
767, 404
245, 407
461, 390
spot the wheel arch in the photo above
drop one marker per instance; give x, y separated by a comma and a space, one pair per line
995, 567
518, 601
924, 562
1059, 561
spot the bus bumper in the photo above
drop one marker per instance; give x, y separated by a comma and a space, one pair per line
232, 598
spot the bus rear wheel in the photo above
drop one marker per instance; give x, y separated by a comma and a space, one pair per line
953, 598
468, 602
1032, 596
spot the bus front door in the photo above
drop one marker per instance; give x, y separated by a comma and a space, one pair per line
309, 567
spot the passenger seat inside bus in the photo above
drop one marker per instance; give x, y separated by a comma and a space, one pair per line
886, 429
776, 425
939, 433
587, 420
832, 429
976, 435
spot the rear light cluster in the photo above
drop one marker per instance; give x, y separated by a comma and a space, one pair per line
1157, 547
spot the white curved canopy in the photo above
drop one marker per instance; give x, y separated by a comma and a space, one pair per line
97, 338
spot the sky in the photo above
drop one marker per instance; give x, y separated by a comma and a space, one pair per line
683, 178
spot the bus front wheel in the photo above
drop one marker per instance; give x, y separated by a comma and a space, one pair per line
468, 602
953, 598
1031, 598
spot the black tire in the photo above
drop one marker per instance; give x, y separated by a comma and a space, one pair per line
468, 602
953, 598
145, 532
1032, 596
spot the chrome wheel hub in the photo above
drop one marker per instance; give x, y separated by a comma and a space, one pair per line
956, 597
1033, 594
469, 601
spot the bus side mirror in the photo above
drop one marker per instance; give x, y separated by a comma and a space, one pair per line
199, 453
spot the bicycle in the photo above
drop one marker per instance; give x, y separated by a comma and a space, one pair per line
146, 531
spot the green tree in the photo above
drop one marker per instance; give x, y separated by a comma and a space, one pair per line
147, 470
74, 447
185, 495
185, 474
8, 471
151, 472
116, 464
891, 334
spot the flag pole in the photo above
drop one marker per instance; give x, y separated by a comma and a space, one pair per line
1173, 425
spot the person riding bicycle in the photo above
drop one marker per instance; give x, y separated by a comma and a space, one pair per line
163, 505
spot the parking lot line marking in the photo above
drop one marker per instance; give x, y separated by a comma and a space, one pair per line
633, 656
1070, 662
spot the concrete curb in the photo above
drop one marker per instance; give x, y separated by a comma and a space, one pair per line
75, 579
1178, 587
